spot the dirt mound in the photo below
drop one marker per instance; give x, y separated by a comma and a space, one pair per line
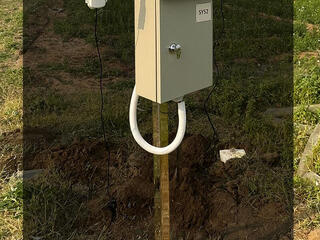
208, 198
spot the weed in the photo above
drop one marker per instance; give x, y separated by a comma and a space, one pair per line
307, 81
304, 116
316, 159
11, 199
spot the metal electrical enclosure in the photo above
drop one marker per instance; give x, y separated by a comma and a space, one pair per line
173, 44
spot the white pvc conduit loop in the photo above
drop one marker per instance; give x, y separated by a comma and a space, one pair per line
139, 139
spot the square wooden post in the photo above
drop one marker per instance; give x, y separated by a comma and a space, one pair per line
161, 173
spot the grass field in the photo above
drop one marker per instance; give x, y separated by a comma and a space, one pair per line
10, 114
256, 74
11, 65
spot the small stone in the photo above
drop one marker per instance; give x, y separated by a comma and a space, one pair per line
228, 154
314, 235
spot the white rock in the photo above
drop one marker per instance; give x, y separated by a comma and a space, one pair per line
227, 154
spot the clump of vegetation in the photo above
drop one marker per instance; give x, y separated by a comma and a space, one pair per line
307, 80
316, 159
307, 202
303, 115
11, 208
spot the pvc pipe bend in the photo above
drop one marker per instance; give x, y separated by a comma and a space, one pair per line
139, 139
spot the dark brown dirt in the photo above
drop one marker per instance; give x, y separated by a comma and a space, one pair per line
209, 199
10, 152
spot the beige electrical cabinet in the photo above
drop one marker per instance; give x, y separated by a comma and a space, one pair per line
173, 44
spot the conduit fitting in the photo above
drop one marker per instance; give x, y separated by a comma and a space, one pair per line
139, 139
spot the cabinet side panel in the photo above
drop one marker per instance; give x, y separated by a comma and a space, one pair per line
145, 48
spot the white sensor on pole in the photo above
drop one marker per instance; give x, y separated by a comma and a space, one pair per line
92, 4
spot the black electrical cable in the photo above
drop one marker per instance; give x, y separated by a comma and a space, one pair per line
102, 103
215, 44
112, 204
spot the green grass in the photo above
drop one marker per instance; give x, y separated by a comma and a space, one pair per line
307, 80
281, 8
11, 30
58, 112
304, 39
302, 115
316, 159
10, 71
11, 202
10, 116
117, 18
306, 92
306, 12
90, 67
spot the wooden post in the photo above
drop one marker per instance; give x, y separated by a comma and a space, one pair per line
161, 173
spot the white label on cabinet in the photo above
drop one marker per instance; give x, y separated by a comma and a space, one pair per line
203, 12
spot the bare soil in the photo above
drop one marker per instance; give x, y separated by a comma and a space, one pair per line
209, 199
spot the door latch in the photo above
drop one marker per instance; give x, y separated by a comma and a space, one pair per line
175, 49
